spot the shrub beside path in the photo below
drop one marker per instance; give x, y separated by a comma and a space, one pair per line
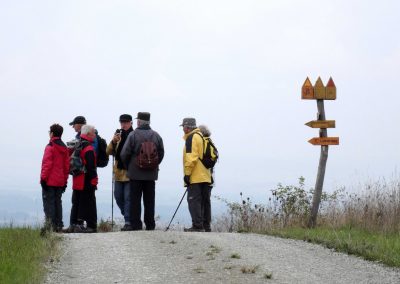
178, 257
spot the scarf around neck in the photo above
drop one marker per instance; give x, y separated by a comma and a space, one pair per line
124, 135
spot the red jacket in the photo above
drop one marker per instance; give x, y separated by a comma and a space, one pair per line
55, 163
88, 179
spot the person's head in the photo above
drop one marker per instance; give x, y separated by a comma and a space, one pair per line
205, 130
89, 131
56, 130
78, 122
188, 124
126, 121
143, 118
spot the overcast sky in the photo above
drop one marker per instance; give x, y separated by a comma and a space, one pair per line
237, 66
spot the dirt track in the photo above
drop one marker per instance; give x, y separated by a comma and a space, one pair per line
178, 257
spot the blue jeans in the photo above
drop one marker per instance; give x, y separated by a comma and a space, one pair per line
122, 194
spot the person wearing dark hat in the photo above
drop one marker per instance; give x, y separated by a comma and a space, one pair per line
197, 178
77, 124
143, 142
98, 144
121, 181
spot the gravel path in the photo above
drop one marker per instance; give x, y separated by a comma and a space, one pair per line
178, 257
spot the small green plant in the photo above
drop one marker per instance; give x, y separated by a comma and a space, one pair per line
104, 226
235, 255
215, 249
249, 269
199, 270
268, 275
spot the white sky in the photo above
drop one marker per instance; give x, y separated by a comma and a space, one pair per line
237, 66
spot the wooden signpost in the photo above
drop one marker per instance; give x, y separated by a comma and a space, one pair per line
324, 141
307, 91
321, 124
320, 93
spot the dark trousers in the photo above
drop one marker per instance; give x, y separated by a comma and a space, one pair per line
52, 206
199, 202
84, 208
147, 188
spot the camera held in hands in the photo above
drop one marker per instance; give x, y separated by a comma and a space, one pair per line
118, 131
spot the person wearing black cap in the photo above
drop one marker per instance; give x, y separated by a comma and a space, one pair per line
142, 177
77, 124
121, 181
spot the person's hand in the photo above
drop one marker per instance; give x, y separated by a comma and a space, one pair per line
43, 184
186, 179
116, 138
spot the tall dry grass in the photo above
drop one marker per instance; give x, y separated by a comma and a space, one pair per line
375, 207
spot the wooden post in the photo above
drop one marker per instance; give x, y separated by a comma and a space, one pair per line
321, 169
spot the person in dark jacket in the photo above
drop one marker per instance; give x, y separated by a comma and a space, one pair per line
122, 190
84, 186
142, 181
54, 177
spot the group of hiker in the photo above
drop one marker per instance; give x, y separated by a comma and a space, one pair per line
137, 155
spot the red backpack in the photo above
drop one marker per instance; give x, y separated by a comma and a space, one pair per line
147, 159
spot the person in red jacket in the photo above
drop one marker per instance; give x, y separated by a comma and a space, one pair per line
84, 185
53, 177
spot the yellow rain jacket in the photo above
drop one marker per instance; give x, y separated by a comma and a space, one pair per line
120, 174
192, 153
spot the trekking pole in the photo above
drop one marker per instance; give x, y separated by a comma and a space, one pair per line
112, 195
176, 210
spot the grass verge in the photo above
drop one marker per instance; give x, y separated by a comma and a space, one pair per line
24, 253
373, 246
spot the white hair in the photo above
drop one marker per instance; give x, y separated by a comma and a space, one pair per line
143, 122
86, 129
205, 130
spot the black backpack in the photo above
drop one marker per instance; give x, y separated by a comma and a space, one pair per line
102, 157
210, 152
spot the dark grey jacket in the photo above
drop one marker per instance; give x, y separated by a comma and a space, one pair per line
131, 150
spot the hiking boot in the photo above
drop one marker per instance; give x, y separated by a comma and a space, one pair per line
193, 229
207, 230
89, 230
58, 230
126, 227
79, 229
68, 230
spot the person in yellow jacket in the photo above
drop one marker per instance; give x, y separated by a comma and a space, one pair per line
121, 181
197, 177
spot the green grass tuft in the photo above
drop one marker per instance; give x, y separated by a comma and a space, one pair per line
374, 246
23, 253
235, 255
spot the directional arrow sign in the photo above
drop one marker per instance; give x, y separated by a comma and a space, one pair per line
321, 124
324, 141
